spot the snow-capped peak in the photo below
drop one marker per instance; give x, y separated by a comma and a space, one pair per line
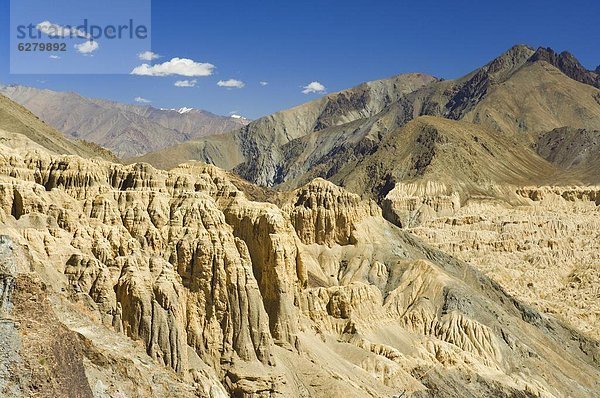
180, 110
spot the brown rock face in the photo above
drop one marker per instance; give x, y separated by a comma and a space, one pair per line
567, 64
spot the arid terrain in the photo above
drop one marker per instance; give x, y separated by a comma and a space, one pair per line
409, 237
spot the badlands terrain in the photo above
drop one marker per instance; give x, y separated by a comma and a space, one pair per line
409, 237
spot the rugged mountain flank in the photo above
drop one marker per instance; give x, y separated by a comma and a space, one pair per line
577, 150
468, 157
257, 149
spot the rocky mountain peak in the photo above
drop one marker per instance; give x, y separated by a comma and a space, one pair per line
568, 64
514, 57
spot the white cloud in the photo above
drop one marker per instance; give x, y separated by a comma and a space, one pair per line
54, 56
87, 47
186, 83
231, 83
176, 66
314, 87
142, 100
148, 56
264, 83
55, 30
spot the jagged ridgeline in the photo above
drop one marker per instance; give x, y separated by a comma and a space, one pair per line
519, 95
128, 280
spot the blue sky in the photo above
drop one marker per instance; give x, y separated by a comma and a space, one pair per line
337, 43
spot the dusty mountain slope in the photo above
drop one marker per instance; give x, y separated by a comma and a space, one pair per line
572, 149
521, 91
469, 158
16, 119
319, 296
538, 97
128, 130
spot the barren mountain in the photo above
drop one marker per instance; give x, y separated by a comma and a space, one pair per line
258, 149
521, 91
572, 149
470, 158
128, 130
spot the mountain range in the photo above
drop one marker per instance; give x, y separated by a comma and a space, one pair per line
522, 94
126, 130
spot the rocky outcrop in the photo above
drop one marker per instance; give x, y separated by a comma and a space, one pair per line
408, 205
44, 357
272, 249
567, 64
161, 268
325, 214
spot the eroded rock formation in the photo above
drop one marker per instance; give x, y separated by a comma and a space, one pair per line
175, 281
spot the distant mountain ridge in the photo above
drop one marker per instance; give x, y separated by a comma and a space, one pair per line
127, 130
16, 122
569, 65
